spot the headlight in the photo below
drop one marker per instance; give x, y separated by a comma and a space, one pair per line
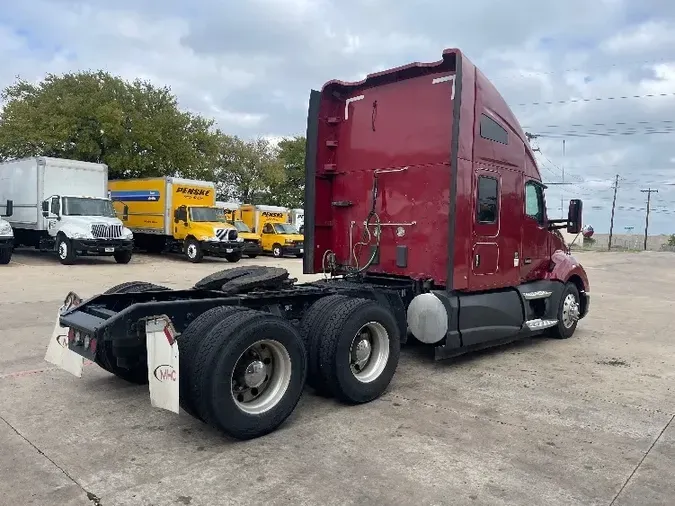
240, 239
207, 238
289, 241
5, 228
127, 234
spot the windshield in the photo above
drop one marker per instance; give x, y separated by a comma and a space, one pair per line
285, 228
206, 214
78, 206
241, 226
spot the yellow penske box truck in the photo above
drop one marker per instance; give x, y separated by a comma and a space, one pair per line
277, 235
175, 215
232, 214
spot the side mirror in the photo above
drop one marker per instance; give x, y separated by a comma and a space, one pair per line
574, 222
45, 207
176, 216
125, 213
10, 209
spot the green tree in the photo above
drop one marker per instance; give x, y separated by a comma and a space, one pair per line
135, 128
247, 170
291, 191
671, 240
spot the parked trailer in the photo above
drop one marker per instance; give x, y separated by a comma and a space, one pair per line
62, 206
412, 228
177, 215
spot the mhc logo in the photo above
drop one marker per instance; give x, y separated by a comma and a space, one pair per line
202, 192
165, 372
270, 214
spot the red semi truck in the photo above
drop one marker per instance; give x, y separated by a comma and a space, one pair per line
425, 211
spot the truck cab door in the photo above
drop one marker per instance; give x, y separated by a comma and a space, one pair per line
267, 236
534, 233
180, 223
486, 225
51, 210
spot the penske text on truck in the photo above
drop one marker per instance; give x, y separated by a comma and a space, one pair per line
277, 235
175, 214
62, 206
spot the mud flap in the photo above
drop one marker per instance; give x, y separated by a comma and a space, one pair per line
162, 363
58, 352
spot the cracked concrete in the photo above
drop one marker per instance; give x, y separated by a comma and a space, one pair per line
584, 421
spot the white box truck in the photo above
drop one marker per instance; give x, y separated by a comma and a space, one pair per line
62, 206
297, 219
6, 234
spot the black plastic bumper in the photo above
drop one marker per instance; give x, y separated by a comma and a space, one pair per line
252, 248
292, 249
222, 248
103, 246
6, 242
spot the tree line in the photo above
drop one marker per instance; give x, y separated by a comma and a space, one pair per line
138, 130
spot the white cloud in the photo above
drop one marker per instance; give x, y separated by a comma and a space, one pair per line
250, 66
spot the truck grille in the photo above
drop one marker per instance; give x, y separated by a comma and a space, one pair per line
101, 231
226, 234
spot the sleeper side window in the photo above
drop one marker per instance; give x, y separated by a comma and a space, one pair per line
534, 201
493, 131
487, 206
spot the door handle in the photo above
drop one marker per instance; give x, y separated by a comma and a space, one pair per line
528, 260
476, 260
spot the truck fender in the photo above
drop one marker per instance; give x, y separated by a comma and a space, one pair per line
71, 229
564, 268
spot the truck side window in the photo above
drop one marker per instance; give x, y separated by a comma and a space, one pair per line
486, 210
267, 229
534, 202
492, 131
55, 207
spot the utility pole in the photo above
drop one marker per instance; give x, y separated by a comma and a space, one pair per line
649, 192
611, 221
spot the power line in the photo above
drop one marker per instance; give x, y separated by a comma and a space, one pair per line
611, 221
620, 123
606, 133
596, 99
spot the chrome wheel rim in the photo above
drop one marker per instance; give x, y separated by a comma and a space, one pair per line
261, 376
369, 352
570, 312
192, 251
277, 252
63, 250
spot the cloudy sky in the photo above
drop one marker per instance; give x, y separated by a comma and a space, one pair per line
565, 68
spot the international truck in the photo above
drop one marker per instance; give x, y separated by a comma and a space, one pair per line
426, 214
6, 234
277, 235
62, 206
297, 219
171, 214
232, 213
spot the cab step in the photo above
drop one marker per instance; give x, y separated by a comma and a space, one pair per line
539, 324
539, 294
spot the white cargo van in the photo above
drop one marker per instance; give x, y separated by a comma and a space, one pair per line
6, 234
62, 206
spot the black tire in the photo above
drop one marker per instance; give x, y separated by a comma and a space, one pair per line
105, 358
562, 331
193, 250
346, 320
65, 250
299, 255
252, 256
277, 252
123, 257
214, 365
311, 331
233, 257
188, 344
5, 256
217, 279
243, 278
